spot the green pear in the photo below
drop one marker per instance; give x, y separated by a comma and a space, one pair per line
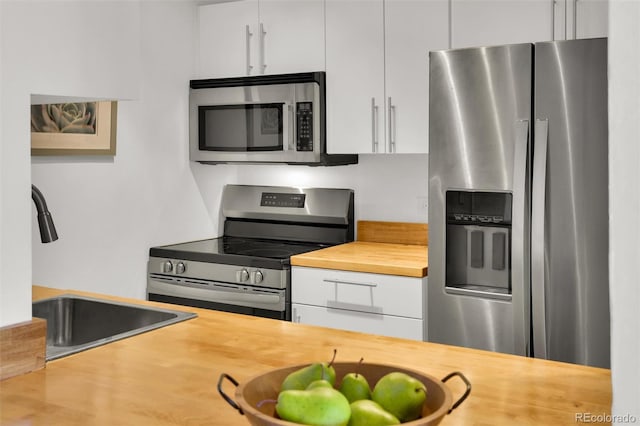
366, 412
320, 406
401, 395
319, 384
355, 387
300, 379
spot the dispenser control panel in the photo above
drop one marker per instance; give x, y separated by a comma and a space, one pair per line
476, 207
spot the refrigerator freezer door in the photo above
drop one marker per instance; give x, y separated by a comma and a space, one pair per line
571, 95
479, 112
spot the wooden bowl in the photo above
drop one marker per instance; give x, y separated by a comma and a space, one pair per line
267, 386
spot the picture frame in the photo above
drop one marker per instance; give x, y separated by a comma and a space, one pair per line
55, 129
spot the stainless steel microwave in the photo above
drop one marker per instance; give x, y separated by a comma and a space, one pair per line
261, 119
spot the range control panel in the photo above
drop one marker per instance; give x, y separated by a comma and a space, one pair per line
275, 199
304, 126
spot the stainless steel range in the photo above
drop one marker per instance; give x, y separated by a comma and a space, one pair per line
247, 270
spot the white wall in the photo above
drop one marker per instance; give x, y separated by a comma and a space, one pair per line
624, 199
387, 187
15, 252
108, 212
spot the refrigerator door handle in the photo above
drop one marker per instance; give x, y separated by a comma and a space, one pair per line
519, 281
538, 314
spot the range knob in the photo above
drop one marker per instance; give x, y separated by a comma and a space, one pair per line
242, 275
167, 266
258, 277
181, 268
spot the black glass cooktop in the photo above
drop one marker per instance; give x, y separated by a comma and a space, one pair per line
237, 251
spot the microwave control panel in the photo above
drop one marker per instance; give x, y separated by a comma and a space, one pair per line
304, 126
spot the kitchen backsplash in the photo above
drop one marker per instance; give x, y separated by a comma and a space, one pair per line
387, 187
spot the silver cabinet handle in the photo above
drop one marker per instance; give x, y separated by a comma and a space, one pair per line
538, 195
374, 125
248, 35
520, 240
575, 19
371, 309
337, 281
263, 63
392, 126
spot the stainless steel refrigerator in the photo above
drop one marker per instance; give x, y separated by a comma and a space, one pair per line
518, 200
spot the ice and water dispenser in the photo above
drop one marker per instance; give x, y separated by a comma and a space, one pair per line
478, 243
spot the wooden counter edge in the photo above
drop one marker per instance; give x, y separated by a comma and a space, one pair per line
350, 266
22, 347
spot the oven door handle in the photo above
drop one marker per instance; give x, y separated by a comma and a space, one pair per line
271, 299
214, 292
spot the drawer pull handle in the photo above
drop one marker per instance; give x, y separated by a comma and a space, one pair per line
336, 281
370, 309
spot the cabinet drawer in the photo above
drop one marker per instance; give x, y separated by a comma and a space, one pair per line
356, 291
383, 325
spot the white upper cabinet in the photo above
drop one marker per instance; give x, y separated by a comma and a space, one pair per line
581, 19
492, 22
377, 73
227, 33
254, 37
355, 76
293, 35
412, 29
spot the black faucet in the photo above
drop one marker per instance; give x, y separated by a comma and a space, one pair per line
45, 221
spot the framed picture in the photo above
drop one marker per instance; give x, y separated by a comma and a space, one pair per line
79, 128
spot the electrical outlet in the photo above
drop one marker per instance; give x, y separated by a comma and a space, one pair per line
422, 205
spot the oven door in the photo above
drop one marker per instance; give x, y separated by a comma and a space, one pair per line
227, 297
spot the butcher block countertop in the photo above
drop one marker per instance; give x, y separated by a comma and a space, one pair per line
362, 256
394, 248
168, 376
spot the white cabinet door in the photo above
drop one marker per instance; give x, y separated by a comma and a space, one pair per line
355, 76
252, 37
227, 39
382, 304
591, 18
412, 29
581, 19
358, 291
291, 36
384, 325
378, 73
492, 22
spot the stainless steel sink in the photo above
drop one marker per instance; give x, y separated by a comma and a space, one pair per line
76, 323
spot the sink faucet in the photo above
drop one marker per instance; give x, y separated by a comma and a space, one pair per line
45, 221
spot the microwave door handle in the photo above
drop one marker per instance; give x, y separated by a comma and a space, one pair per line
287, 127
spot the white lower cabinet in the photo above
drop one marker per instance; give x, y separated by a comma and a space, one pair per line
385, 325
387, 305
